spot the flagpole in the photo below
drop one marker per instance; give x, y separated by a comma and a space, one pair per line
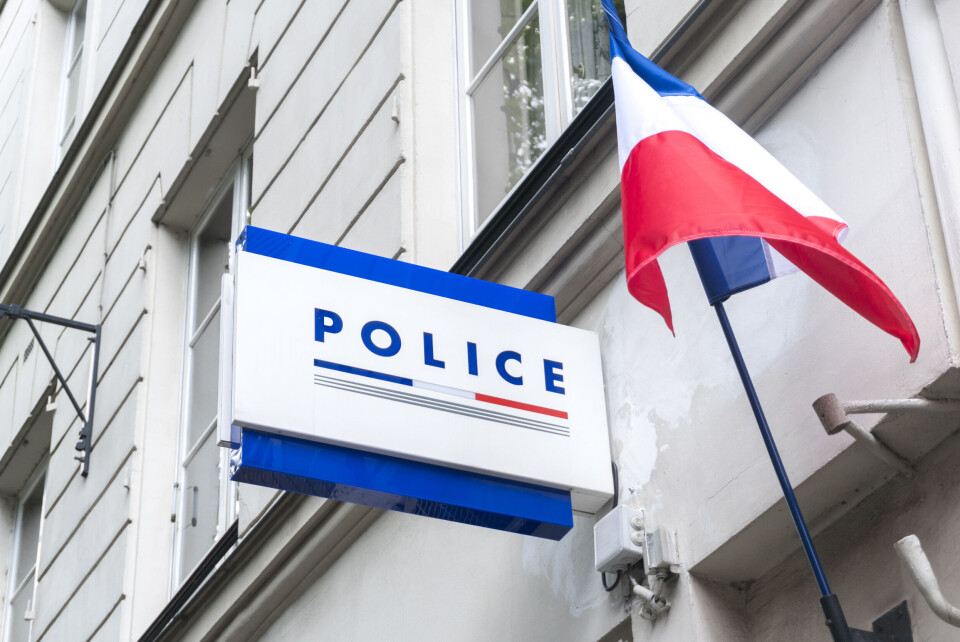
828, 601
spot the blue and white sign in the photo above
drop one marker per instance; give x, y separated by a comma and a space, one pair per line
397, 386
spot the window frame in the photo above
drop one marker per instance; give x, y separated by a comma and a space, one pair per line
238, 180
559, 108
73, 59
37, 477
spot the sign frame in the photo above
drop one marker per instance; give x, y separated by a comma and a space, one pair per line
457, 483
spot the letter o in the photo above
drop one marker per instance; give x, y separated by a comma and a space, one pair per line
368, 329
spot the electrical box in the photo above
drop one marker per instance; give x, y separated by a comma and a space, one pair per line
618, 539
660, 550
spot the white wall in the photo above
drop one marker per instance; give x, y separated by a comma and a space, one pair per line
413, 578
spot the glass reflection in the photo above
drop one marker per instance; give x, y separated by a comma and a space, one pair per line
510, 124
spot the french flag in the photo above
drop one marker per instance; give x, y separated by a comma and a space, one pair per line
689, 174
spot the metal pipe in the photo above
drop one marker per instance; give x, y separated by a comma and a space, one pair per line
833, 416
918, 565
937, 102
16, 312
901, 405
56, 370
85, 445
878, 448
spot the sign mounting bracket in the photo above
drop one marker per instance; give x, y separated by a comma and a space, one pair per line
85, 443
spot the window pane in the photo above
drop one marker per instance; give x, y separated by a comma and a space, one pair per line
248, 192
79, 18
20, 628
589, 48
73, 73
213, 244
198, 522
29, 533
509, 121
490, 22
204, 371
70, 106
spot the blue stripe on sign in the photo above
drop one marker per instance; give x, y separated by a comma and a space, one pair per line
405, 275
729, 264
330, 365
403, 485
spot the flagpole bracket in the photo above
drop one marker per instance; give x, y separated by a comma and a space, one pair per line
85, 442
834, 416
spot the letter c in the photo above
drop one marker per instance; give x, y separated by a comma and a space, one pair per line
502, 358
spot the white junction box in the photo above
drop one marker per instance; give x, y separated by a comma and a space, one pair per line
618, 539
660, 551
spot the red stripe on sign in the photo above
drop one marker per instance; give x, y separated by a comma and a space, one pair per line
521, 406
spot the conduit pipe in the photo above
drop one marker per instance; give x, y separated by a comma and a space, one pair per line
900, 405
940, 116
652, 602
923, 576
833, 416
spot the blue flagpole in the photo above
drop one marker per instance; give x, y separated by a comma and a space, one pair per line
828, 601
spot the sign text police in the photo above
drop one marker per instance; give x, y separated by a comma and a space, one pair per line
383, 340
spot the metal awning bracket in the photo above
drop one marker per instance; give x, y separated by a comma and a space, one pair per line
85, 443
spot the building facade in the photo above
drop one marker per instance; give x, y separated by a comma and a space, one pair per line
138, 137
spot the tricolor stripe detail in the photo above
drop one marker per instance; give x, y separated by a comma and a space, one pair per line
454, 392
688, 173
363, 372
439, 404
520, 406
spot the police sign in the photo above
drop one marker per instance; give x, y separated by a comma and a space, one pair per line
398, 386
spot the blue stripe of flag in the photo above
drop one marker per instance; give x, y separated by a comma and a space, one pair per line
662, 82
729, 264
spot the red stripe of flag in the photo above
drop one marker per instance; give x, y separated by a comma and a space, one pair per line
676, 189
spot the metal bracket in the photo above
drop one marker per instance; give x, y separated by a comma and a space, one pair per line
85, 443
834, 415
892, 626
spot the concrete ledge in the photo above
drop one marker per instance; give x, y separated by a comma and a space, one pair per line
831, 492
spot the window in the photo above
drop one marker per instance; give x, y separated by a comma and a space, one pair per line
22, 577
528, 67
72, 75
206, 497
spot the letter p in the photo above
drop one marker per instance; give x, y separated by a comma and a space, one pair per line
325, 322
